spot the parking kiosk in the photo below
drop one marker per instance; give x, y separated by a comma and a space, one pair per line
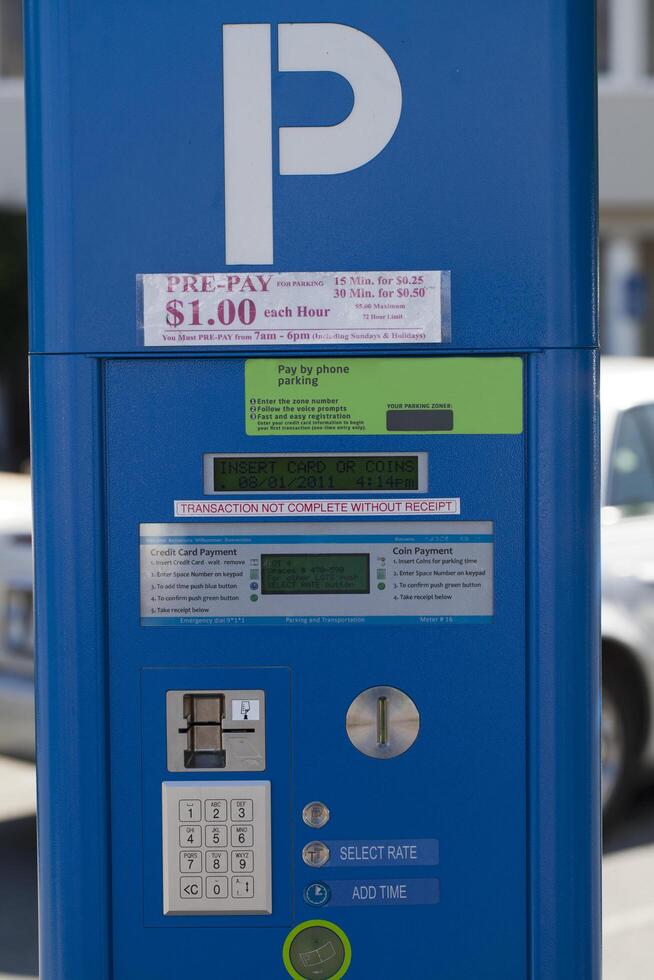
313, 401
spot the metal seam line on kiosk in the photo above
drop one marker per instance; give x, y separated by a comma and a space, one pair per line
313, 377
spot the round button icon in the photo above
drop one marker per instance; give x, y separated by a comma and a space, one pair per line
317, 894
316, 815
315, 854
317, 950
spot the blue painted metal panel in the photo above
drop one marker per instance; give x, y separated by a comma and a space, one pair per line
490, 174
72, 743
563, 667
469, 681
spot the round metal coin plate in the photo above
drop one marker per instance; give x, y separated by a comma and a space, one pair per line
383, 722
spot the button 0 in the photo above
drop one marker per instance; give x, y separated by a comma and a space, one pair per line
242, 810
190, 836
217, 887
216, 861
243, 836
190, 811
190, 887
190, 861
316, 854
215, 810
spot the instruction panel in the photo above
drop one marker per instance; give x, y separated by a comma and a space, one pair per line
316, 573
377, 396
294, 308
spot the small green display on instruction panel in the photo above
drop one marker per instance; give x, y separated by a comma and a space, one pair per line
379, 396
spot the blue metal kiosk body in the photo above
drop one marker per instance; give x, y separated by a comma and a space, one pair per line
419, 781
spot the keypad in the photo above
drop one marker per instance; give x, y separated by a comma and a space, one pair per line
217, 848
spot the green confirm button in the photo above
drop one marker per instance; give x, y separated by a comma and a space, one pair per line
317, 950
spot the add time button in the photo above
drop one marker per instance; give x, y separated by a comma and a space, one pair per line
317, 894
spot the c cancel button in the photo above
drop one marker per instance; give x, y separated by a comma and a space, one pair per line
317, 950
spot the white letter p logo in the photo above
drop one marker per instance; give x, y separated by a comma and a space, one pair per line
302, 150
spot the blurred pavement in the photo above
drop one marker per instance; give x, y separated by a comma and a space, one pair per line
628, 884
628, 876
18, 921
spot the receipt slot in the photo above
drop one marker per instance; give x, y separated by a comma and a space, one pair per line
313, 382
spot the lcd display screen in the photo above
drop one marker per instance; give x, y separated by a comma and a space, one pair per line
315, 574
329, 473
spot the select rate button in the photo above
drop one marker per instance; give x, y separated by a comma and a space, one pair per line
420, 852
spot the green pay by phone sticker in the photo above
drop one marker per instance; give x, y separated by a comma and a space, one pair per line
382, 396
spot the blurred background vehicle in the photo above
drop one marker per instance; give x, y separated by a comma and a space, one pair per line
16, 608
627, 392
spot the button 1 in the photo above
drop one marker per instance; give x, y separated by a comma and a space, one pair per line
217, 887
242, 810
190, 862
215, 810
190, 811
216, 861
316, 854
190, 887
242, 861
243, 836
215, 836
243, 887
190, 836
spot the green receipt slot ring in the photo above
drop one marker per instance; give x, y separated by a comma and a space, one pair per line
317, 950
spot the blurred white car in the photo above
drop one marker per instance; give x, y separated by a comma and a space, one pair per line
627, 399
16, 629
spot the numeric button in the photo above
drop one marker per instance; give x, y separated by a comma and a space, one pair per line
216, 861
190, 862
190, 835
217, 887
215, 811
190, 811
242, 810
215, 836
242, 861
243, 836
